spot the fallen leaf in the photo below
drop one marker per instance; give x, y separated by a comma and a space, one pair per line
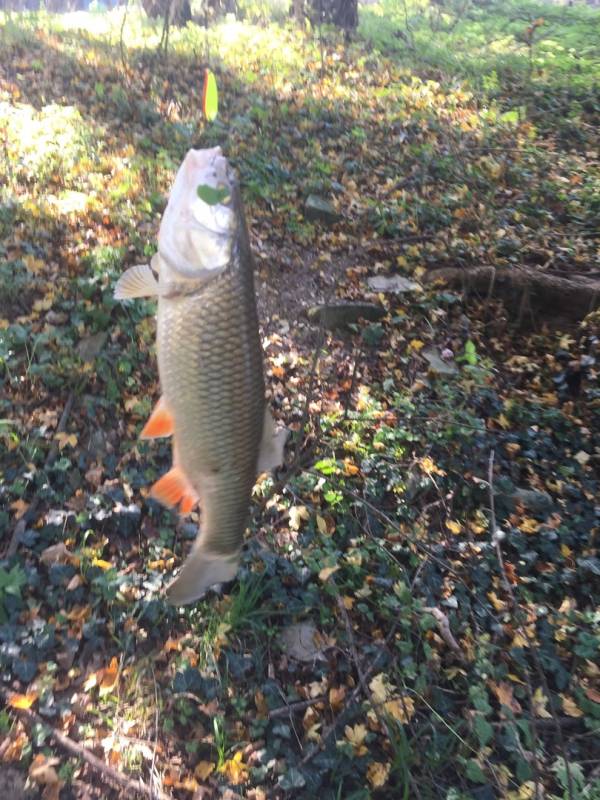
504, 694
381, 687
401, 708
540, 701
203, 769
327, 572
298, 515
356, 735
570, 707
377, 774
58, 554
235, 770
22, 700
303, 642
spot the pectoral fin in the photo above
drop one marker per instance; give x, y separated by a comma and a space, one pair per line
159, 424
270, 455
138, 281
173, 490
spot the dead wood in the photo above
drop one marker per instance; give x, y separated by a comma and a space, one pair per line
545, 293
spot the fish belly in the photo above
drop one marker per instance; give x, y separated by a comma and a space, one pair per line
211, 374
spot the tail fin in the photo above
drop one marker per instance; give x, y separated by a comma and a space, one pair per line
201, 571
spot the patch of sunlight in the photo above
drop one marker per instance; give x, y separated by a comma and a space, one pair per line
97, 23
42, 144
504, 45
69, 202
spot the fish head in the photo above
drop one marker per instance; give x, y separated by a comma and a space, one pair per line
197, 236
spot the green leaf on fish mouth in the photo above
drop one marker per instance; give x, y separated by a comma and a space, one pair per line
212, 196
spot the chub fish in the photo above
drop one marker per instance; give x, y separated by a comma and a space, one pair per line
210, 366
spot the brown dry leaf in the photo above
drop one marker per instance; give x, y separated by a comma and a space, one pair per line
356, 735
504, 694
592, 694
401, 709
22, 700
570, 707
336, 697
377, 774
109, 677
529, 525
203, 769
327, 572
58, 554
94, 476
43, 773
261, 704
540, 701
75, 582
65, 439
381, 687
19, 507
298, 515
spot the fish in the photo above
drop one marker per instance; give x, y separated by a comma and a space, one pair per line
210, 365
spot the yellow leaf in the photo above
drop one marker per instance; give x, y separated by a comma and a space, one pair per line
326, 572
565, 550
540, 702
453, 526
570, 707
499, 605
203, 770
416, 344
381, 687
33, 265
99, 562
22, 700
401, 709
503, 422
504, 693
377, 774
321, 525
65, 439
235, 770
529, 525
297, 515
348, 602
350, 467
356, 735
429, 467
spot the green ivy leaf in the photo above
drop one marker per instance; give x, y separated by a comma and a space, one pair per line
212, 196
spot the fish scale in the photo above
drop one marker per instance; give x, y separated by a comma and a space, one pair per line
210, 365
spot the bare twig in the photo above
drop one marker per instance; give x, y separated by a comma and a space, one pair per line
109, 774
300, 705
330, 730
444, 628
30, 513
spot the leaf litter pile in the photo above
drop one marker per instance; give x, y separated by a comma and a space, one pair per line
417, 614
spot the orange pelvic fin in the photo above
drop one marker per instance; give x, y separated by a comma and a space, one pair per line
174, 490
159, 424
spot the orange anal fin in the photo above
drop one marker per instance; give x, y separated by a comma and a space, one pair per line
174, 490
159, 424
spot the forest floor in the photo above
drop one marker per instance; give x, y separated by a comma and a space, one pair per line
418, 610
